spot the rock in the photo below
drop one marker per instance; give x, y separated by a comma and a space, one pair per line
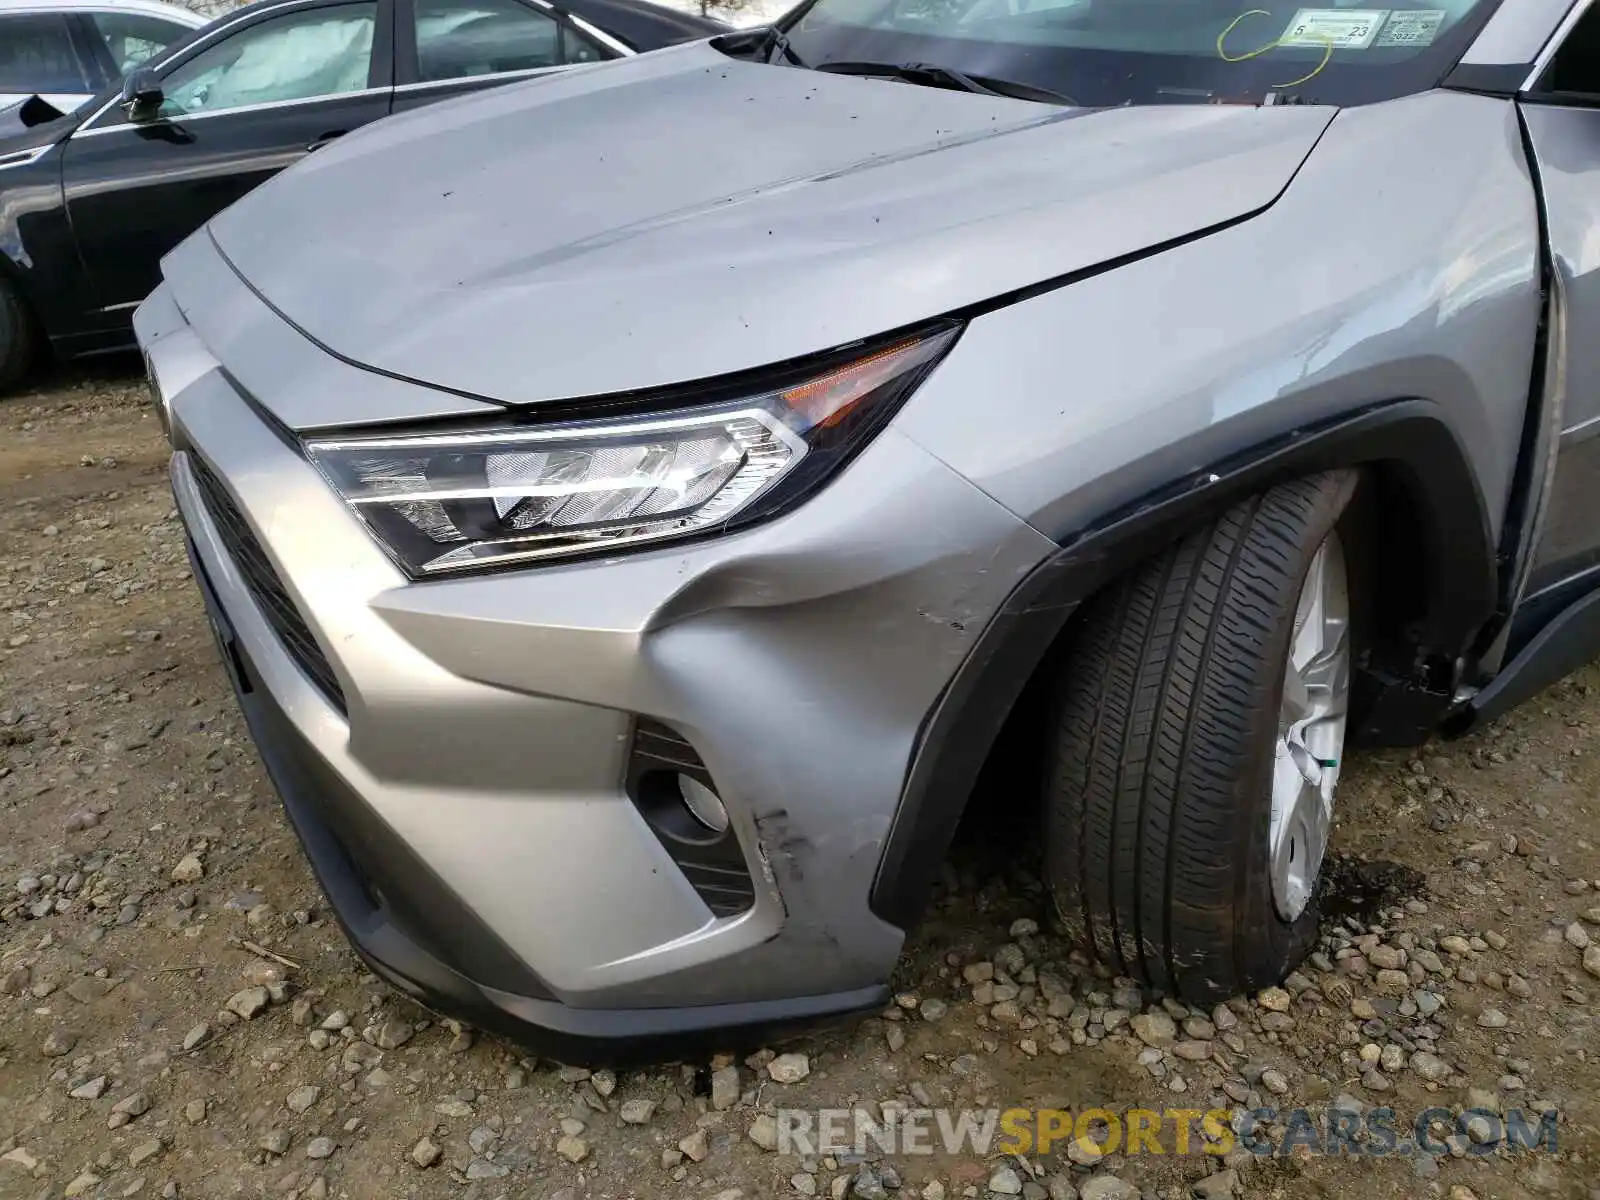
189, 869
144, 1152
1430, 1067
134, 1104
320, 1147
1273, 999
196, 1036
58, 1043
1108, 1187
91, 1090
789, 1068
1387, 958
764, 1132
82, 1184
194, 1112
335, 1021
262, 974
933, 1009
1154, 1028
358, 1056
425, 1153
1004, 1182
574, 1149
604, 1082
1216, 1187
637, 1111
249, 1003
302, 1098
1192, 1051
724, 1088
18, 1157
697, 1146
1061, 1188
805, 1184
1275, 1081
453, 1108
1493, 1018
275, 1141
1577, 935
393, 1034
15, 981
1591, 961
1428, 961
868, 1184
482, 1168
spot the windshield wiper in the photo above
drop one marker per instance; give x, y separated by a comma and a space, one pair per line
779, 44
933, 75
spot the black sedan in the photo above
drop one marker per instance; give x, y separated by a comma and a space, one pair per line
89, 202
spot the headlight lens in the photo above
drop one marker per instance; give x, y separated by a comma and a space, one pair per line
448, 502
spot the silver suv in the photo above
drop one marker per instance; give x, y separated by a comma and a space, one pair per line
634, 505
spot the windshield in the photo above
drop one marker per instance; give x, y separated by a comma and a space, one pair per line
1104, 53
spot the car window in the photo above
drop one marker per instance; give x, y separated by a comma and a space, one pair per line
1575, 68
457, 39
133, 37
37, 55
298, 56
578, 49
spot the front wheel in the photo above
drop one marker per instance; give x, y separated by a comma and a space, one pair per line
17, 340
1198, 742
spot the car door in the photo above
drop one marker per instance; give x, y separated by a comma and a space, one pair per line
1562, 115
446, 47
239, 105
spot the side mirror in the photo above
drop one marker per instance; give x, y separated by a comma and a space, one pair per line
141, 96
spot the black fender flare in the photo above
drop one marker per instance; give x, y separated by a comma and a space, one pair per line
1408, 440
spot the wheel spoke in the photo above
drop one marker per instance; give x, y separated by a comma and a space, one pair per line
1311, 730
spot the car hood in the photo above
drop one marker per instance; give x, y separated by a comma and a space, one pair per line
682, 215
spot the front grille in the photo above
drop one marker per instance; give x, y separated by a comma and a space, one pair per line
271, 597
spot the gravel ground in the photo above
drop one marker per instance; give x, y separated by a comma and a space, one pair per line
180, 1016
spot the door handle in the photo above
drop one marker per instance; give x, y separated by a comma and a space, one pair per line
325, 139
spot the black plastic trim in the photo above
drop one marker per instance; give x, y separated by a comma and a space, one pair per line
1488, 79
1569, 641
419, 937
1408, 439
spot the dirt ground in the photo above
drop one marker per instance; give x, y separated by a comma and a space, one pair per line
145, 867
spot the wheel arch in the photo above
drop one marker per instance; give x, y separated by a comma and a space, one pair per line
1431, 543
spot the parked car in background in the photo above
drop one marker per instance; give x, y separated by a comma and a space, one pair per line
625, 580
91, 201
68, 50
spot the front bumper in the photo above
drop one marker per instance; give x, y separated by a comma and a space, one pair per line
460, 779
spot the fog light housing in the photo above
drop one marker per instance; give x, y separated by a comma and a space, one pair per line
670, 786
704, 805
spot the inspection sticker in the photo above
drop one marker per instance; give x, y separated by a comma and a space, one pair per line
1341, 28
1415, 28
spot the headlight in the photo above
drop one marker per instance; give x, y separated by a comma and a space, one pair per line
453, 501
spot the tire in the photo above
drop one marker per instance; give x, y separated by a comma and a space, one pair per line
18, 339
1166, 738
